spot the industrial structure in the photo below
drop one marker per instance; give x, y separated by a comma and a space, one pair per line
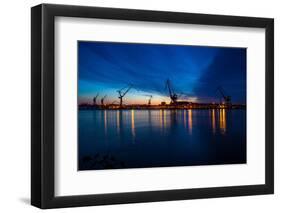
95, 99
226, 98
172, 94
149, 100
175, 102
122, 92
102, 100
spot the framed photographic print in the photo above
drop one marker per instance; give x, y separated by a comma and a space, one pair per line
139, 106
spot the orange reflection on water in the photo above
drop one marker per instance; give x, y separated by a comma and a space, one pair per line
222, 121
133, 124
105, 121
118, 121
190, 120
213, 121
184, 118
161, 118
165, 118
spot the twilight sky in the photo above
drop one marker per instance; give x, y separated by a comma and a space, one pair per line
195, 72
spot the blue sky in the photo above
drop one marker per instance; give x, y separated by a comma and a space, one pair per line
195, 71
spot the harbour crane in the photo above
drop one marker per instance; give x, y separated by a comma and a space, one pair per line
122, 92
226, 98
102, 100
173, 95
95, 99
149, 100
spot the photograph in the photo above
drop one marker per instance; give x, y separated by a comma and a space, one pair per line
139, 105
143, 105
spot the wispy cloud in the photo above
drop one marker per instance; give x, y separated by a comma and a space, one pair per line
106, 66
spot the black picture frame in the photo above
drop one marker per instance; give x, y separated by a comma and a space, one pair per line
43, 110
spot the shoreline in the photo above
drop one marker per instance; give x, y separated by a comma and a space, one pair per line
234, 107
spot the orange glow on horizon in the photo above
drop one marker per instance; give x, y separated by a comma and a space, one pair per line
136, 100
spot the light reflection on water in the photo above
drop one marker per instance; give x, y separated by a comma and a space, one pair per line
213, 120
164, 137
105, 122
222, 120
133, 124
190, 121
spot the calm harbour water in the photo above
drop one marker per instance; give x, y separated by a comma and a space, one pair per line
114, 139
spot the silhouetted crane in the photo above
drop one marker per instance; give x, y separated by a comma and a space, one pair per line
173, 95
149, 100
95, 99
102, 100
122, 92
227, 98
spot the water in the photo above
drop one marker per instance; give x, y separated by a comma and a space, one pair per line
114, 139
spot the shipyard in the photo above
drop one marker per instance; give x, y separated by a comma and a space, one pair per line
146, 105
176, 101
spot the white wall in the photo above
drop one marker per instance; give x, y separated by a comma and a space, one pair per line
15, 105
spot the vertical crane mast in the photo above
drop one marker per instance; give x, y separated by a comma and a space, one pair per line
173, 95
102, 100
227, 99
122, 93
95, 99
149, 100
